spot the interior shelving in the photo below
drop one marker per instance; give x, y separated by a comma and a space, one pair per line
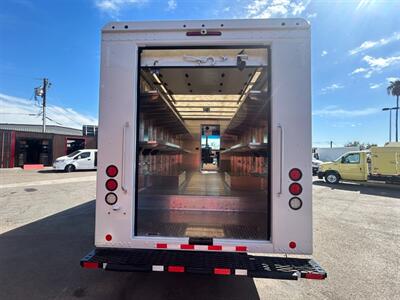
253, 147
161, 146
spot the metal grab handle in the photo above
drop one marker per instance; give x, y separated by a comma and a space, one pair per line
280, 157
124, 130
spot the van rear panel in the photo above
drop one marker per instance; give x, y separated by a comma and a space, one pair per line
385, 161
208, 124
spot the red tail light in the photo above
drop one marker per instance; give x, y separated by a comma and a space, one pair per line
292, 245
295, 174
112, 171
111, 184
108, 237
295, 189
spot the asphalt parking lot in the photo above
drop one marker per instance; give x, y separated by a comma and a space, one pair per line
47, 224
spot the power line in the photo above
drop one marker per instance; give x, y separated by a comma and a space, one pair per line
65, 115
17, 113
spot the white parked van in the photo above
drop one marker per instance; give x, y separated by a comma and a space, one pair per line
175, 96
85, 159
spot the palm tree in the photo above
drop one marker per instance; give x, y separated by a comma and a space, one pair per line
394, 90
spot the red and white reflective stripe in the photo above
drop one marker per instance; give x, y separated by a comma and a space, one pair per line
161, 246
201, 247
316, 276
91, 265
156, 268
222, 271
215, 247
176, 269
240, 272
241, 249
187, 247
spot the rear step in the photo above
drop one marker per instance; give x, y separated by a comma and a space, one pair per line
199, 262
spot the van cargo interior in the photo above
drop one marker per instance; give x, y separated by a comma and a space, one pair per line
203, 145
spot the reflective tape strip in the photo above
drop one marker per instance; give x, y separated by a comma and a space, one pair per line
90, 265
229, 248
222, 271
187, 247
316, 276
201, 247
241, 248
176, 269
214, 247
174, 246
158, 268
241, 272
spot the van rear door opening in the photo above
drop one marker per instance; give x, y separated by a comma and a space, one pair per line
206, 92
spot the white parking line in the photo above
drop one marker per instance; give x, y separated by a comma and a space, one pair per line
48, 182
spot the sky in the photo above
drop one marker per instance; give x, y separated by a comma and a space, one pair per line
355, 53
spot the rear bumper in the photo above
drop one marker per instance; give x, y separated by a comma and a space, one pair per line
321, 175
58, 166
200, 262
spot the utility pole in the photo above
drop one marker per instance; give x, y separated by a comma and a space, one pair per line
45, 82
331, 143
42, 92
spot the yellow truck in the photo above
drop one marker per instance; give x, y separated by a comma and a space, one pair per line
378, 163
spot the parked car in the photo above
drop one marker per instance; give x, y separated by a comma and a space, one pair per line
85, 159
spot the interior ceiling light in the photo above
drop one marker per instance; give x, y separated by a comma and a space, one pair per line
216, 104
156, 78
255, 77
164, 89
229, 97
196, 109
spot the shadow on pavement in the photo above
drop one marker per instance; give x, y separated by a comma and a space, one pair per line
49, 171
41, 261
381, 190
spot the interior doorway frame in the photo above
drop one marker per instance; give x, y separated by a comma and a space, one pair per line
200, 148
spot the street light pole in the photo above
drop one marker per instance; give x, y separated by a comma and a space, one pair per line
390, 119
390, 122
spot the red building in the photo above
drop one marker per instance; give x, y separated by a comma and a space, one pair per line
26, 144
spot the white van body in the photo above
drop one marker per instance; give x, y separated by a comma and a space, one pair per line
128, 48
85, 159
331, 154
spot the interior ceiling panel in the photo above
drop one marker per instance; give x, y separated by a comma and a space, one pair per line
202, 57
205, 81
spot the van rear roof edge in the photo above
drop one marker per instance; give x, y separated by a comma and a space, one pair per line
273, 23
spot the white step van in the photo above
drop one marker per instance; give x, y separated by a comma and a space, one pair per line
85, 159
204, 142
